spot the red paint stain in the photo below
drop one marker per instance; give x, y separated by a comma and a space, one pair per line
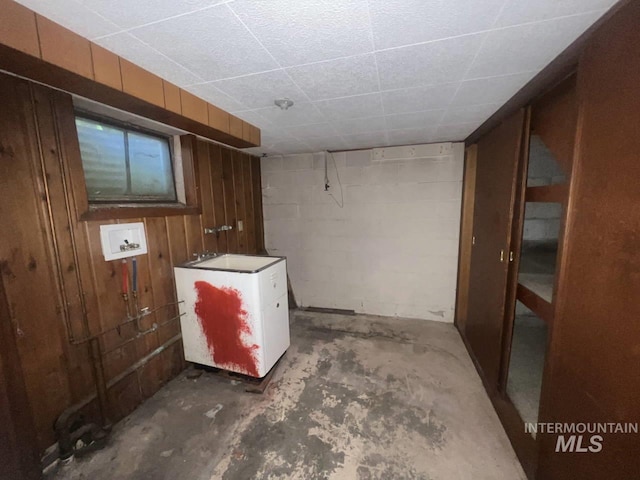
223, 321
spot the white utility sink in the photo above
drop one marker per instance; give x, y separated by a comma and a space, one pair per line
236, 263
234, 312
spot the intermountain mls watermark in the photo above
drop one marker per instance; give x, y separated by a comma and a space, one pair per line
580, 437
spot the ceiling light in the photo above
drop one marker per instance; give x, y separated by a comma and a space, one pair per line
283, 103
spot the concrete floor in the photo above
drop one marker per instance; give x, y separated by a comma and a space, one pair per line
355, 397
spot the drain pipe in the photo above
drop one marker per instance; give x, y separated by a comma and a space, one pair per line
101, 382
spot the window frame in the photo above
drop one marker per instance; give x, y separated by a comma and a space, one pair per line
126, 128
184, 165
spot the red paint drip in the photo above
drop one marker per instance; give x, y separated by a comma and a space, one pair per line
223, 322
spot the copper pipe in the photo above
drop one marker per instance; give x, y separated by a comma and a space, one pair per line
126, 322
142, 333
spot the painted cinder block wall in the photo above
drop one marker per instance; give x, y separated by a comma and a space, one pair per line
391, 250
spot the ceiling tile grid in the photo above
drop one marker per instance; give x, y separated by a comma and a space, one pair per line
361, 73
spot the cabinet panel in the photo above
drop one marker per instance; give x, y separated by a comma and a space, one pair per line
595, 345
276, 329
497, 160
274, 284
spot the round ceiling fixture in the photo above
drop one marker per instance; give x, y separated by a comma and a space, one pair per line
283, 103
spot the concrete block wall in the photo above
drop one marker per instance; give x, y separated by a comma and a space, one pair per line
386, 244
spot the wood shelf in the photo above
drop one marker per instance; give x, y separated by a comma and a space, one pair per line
534, 302
547, 193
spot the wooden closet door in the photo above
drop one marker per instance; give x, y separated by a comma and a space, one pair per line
497, 164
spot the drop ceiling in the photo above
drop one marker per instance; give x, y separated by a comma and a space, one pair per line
362, 73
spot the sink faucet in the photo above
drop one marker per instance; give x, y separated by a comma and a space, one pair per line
217, 230
203, 255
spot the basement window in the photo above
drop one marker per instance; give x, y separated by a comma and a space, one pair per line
123, 164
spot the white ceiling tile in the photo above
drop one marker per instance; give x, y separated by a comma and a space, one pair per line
261, 89
352, 126
274, 135
417, 99
434, 63
368, 105
73, 15
213, 95
297, 32
326, 143
337, 78
454, 133
490, 89
212, 43
366, 140
518, 12
412, 136
143, 55
527, 48
414, 21
313, 130
254, 118
271, 137
128, 14
473, 113
299, 114
425, 119
289, 148
447, 63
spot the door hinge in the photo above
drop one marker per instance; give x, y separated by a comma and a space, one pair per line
511, 256
501, 255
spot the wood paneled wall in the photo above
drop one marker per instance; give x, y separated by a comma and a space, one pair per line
595, 347
53, 271
591, 375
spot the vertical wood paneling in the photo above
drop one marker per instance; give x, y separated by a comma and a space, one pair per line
19, 453
229, 200
149, 342
217, 186
256, 191
107, 285
162, 285
194, 234
177, 243
125, 396
249, 222
177, 240
25, 261
107, 282
61, 244
39, 156
206, 195
466, 232
238, 186
595, 340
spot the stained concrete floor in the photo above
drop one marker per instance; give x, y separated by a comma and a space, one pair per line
355, 397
